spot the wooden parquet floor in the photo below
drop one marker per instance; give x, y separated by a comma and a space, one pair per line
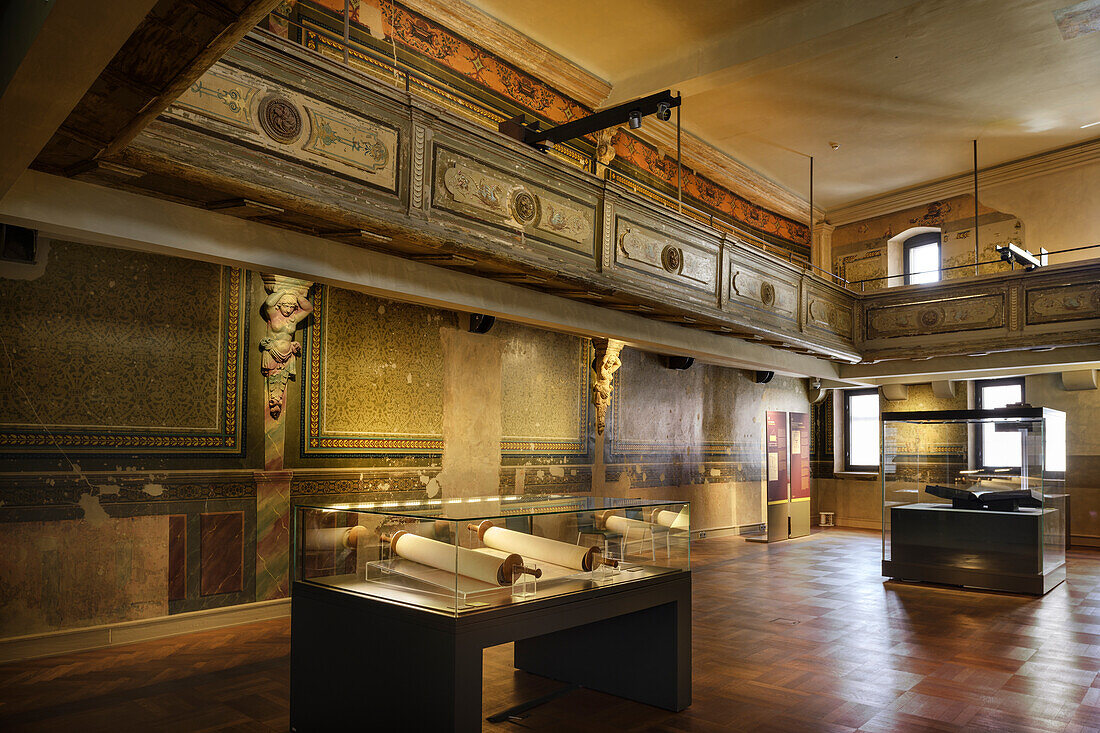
797, 636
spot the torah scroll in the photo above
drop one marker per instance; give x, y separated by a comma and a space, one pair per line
470, 563
543, 548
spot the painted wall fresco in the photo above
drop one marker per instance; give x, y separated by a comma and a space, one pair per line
123, 324
469, 77
862, 250
103, 537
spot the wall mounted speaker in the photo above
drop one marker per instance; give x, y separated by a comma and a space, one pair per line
679, 363
481, 323
763, 377
18, 244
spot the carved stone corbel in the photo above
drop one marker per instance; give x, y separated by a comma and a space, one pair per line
605, 151
604, 367
286, 306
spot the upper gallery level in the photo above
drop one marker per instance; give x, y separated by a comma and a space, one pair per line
301, 127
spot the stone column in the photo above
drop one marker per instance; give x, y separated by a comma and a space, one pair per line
821, 252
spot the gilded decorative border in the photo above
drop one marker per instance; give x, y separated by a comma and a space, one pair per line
514, 445
317, 443
228, 439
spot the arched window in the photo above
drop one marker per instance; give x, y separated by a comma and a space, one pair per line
922, 258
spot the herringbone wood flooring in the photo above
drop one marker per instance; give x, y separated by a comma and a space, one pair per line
797, 636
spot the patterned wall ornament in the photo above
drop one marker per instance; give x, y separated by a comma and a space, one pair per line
280, 119
604, 367
524, 207
767, 294
672, 258
286, 306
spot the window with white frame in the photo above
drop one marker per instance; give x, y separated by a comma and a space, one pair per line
861, 429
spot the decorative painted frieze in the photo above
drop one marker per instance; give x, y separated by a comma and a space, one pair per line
478, 190
221, 97
359, 143
937, 316
1063, 303
647, 250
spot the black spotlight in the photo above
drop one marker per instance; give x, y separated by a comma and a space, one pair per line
635, 119
763, 377
664, 111
481, 323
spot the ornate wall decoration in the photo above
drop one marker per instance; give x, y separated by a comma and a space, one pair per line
221, 97
365, 145
1063, 303
604, 366
672, 258
752, 288
864, 266
280, 119
374, 379
287, 305
831, 316
441, 54
545, 392
170, 381
944, 316
648, 251
417, 194
488, 194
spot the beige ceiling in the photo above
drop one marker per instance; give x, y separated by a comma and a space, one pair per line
902, 85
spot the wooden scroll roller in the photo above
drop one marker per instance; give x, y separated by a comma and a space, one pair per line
470, 563
548, 550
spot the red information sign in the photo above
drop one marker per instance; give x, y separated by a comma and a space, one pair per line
800, 455
776, 455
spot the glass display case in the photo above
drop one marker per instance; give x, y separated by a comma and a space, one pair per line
975, 497
458, 556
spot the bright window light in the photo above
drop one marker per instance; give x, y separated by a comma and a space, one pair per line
924, 263
1001, 449
863, 429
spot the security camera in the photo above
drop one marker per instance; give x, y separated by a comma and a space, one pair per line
635, 118
664, 111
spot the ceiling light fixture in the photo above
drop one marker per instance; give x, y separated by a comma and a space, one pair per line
1091, 124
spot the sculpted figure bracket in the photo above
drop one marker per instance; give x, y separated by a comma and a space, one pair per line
286, 306
604, 367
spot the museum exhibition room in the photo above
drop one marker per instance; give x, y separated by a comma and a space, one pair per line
503, 365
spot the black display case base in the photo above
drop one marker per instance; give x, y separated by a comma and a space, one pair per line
991, 550
372, 665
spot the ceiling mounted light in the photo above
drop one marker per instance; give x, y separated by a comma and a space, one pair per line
1019, 256
664, 111
1091, 124
635, 119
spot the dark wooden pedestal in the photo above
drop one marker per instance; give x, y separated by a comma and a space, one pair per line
1003, 551
374, 665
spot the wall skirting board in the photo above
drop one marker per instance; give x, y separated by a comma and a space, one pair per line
129, 632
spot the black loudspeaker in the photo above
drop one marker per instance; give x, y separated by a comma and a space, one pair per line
678, 363
481, 323
18, 244
763, 377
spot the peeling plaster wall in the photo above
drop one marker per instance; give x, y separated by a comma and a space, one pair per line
1056, 210
389, 401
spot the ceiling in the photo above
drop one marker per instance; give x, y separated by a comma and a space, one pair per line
902, 86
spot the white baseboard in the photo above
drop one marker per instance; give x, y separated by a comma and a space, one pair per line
128, 632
